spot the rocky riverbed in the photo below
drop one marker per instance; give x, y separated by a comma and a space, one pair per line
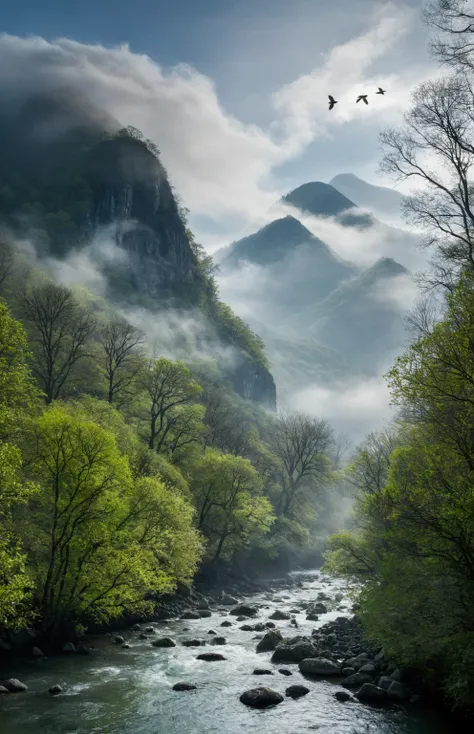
293, 655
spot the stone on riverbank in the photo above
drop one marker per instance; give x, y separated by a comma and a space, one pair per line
370, 693
191, 615
342, 696
55, 690
278, 614
204, 613
119, 640
164, 642
218, 641
261, 698
294, 653
69, 648
228, 601
319, 667
356, 680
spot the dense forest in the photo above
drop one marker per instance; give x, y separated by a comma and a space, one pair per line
411, 540
124, 472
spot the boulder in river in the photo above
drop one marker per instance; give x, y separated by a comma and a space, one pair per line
278, 614
125, 646
261, 698
269, 641
55, 690
244, 610
150, 630
211, 657
296, 691
247, 628
226, 623
218, 641
204, 613
211, 632
191, 615
3, 690
228, 601
193, 643
285, 671
356, 680
13, 685
119, 640
312, 617
319, 667
203, 604
184, 687
270, 625
262, 671
285, 653
397, 691
370, 693
342, 696
164, 642
69, 648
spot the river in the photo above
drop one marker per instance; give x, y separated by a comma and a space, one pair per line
117, 691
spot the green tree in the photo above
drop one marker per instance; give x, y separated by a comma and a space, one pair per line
231, 510
121, 345
17, 401
169, 387
98, 542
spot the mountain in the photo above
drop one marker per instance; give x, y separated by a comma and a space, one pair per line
297, 268
68, 171
360, 319
382, 201
323, 200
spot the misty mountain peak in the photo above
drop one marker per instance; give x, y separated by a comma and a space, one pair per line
382, 201
318, 198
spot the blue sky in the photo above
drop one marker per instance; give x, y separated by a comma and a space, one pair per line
255, 56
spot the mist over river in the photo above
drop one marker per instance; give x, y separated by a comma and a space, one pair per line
129, 691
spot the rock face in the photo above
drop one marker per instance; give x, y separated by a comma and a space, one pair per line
261, 698
319, 667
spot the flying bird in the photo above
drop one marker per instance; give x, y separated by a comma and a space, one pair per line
362, 96
381, 91
332, 101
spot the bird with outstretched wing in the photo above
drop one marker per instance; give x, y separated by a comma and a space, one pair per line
332, 101
381, 91
362, 96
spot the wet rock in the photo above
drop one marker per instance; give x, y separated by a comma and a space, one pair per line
312, 617
346, 672
211, 657
55, 690
397, 691
278, 614
36, 652
319, 667
285, 671
69, 648
3, 690
319, 608
285, 653
296, 691
135, 627
261, 698
226, 623
203, 604
13, 685
119, 640
204, 613
368, 668
211, 632
259, 627
242, 618
356, 680
370, 693
270, 625
125, 646
164, 642
184, 687
247, 628
342, 696
193, 643
218, 641
385, 682
358, 661
244, 610
269, 641
142, 636
150, 630
396, 674
262, 671
228, 601
191, 615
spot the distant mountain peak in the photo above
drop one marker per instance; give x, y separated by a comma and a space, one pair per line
319, 199
382, 201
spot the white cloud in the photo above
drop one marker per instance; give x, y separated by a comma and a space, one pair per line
352, 407
221, 167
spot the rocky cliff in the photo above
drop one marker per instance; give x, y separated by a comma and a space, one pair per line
68, 171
